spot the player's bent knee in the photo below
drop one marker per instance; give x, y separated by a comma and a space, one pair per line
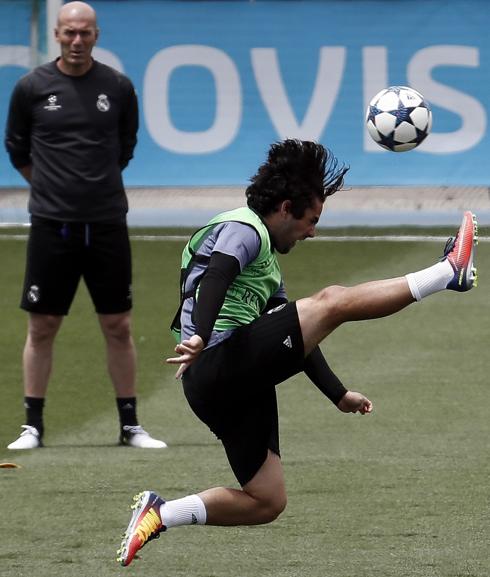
330, 299
331, 294
271, 509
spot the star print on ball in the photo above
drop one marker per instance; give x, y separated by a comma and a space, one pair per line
398, 118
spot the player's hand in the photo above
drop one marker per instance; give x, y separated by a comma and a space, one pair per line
353, 402
188, 351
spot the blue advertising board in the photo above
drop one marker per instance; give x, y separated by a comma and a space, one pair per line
219, 81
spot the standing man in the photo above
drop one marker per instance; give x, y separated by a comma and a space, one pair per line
71, 130
239, 337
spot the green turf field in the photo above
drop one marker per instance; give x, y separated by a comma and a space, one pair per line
403, 492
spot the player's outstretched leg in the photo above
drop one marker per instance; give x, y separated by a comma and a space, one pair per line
146, 524
323, 312
459, 252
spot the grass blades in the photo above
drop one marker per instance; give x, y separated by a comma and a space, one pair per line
399, 493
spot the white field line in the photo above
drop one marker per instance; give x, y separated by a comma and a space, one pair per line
341, 238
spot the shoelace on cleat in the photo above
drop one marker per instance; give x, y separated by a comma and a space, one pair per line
450, 242
146, 530
149, 527
134, 430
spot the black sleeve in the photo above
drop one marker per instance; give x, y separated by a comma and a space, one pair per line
18, 130
221, 272
318, 371
128, 124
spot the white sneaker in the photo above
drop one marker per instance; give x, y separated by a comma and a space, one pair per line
136, 436
29, 439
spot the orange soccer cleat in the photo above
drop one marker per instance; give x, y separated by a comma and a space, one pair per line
459, 252
146, 524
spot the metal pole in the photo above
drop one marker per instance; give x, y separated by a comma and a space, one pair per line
52, 8
34, 52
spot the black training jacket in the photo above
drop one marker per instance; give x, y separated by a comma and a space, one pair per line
78, 132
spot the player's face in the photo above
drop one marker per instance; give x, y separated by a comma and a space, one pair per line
291, 229
76, 37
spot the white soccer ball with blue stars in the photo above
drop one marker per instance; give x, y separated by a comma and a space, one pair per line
398, 118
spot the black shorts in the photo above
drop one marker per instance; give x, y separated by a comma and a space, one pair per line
231, 386
59, 254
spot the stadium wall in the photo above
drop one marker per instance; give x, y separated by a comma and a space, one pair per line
219, 81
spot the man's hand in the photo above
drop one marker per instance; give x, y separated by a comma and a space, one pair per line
353, 402
188, 351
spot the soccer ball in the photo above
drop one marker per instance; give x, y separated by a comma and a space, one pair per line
398, 118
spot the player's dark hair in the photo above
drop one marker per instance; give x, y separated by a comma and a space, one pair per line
295, 170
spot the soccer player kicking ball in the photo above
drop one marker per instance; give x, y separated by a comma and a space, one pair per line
238, 336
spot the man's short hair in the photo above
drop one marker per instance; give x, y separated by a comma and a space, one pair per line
295, 170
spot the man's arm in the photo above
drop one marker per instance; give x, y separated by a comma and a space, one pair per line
319, 372
128, 125
321, 375
18, 131
221, 272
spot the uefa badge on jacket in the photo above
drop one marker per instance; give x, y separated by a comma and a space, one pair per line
103, 103
52, 103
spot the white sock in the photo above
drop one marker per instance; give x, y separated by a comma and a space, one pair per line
430, 280
186, 511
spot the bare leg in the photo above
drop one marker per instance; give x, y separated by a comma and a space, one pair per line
260, 501
38, 353
121, 352
326, 310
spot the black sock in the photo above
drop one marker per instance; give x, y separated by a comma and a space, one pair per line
34, 413
127, 411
